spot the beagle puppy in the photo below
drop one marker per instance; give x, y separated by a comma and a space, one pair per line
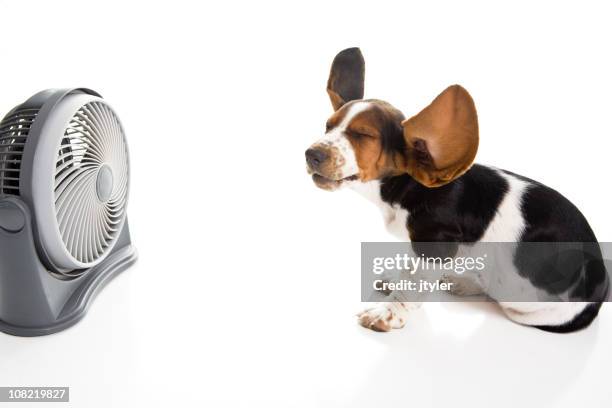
419, 172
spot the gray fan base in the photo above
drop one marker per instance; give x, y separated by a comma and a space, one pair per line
33, 300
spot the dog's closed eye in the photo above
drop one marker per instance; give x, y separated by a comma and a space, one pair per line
360, 135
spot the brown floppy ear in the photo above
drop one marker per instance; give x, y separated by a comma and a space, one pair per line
442, 139
346, 78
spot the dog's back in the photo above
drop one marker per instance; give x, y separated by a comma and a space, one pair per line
491, 205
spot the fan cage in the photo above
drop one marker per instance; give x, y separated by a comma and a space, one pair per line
92, 139
14, 130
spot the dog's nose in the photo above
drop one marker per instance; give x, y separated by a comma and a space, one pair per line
314, 157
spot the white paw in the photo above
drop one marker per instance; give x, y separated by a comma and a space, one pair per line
383, 317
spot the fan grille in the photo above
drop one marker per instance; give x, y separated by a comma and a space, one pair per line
93, 140
14, 130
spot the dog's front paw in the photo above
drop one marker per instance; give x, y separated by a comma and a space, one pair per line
383, 317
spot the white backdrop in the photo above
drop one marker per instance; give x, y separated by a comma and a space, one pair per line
248, 278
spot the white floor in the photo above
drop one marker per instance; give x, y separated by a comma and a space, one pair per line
298, 354
246, 291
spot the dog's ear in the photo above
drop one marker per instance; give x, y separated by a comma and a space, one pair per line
442, 139
346, 78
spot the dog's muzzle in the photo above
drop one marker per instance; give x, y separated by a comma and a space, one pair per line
325, 166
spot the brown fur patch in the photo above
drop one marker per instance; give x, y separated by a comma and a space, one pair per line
365, 133
443, 138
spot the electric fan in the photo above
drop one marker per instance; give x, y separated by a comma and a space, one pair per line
64, 181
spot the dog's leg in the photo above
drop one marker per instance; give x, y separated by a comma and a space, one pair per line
384, 316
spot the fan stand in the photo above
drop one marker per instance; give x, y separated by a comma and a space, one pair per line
33, 300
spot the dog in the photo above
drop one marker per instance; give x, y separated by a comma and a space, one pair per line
419, 171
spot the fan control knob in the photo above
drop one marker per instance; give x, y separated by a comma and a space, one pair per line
12, 218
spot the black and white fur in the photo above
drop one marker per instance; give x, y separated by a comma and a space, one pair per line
485, 204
